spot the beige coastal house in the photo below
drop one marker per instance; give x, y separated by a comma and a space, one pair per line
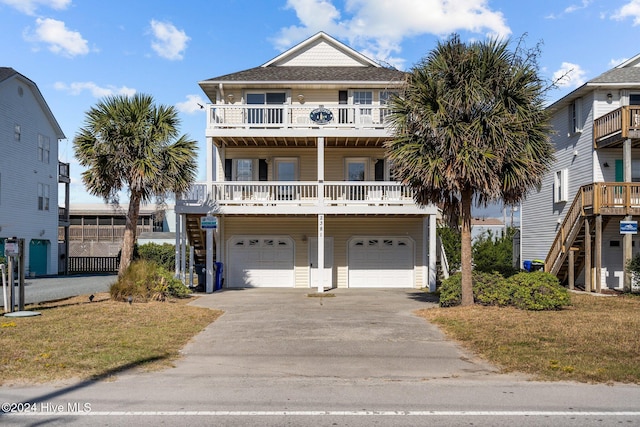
297, 178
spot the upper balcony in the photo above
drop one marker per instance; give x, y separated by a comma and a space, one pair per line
614, 127
300, 198
270, 125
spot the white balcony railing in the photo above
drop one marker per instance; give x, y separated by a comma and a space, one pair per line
276, 193
298, 116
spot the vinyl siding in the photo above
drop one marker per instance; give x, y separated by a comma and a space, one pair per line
540, 214
340, 228
21, 171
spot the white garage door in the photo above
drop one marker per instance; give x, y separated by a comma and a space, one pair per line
381, 262
260, 261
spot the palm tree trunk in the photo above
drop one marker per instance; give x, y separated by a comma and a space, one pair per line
130, 230
465, 248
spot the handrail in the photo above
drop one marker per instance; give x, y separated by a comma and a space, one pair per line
598, 198
624, 121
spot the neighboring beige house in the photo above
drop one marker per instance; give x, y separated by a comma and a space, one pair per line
576, 220
296, 168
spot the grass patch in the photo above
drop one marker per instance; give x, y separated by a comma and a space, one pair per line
595, 340
77, 339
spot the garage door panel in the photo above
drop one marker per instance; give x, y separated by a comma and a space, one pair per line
381, 262
261, 261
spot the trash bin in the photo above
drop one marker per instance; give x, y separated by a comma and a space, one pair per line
218, 281
537, 265
526, 265
201, 271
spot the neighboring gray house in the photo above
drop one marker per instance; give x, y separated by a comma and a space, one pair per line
573, 221
30, 172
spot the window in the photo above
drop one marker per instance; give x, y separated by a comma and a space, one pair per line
363, 98
243, 170
356, 169
560, 186
575, 116
43, 197
265, 115
43, 148
286, 169
17, 132
385, 97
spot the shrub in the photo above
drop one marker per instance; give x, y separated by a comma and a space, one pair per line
527, 291
164, 255
538, 291
451, 242
146, 281
491, 289
495, 253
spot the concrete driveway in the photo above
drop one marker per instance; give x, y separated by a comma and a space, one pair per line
358, 333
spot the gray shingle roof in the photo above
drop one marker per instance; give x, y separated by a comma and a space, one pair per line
312, 74
618, 75
6, 72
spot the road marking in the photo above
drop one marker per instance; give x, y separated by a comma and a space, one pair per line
333, 413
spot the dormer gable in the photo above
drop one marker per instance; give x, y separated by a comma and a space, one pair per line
321, 50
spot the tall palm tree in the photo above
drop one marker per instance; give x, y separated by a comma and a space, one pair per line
470, 128
130, 143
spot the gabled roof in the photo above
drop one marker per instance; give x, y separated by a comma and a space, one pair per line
7, 73
320, 60
623, 76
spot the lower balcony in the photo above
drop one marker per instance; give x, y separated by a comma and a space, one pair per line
280, 197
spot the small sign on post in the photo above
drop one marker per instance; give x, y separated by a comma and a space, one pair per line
628, 227
208, 222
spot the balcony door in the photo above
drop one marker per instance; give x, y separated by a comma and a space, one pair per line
267, 115
285, 169
356, 171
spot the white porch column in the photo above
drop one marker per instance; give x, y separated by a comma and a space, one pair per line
320, 266
627, 240
178, 245
213, 160
209, 261
430, 223
191, 254
183, 251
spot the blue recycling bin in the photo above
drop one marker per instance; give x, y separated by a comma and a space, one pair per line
526, 265
218, 278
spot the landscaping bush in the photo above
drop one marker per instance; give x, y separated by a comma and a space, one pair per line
164, 255
488, 289
538, 291
146, 281
494, 253
451, 242
527, 291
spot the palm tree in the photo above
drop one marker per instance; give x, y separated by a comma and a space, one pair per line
130, 143
470, 128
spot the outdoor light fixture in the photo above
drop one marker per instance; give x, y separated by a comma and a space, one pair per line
301, 98
230, 97
605, 164
609, 97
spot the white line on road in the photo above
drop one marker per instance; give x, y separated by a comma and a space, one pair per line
333, 413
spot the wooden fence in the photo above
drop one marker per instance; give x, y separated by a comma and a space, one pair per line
88, 264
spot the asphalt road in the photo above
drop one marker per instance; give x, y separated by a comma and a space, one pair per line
59, 287
362, 358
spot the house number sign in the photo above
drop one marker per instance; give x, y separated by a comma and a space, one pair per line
321, 116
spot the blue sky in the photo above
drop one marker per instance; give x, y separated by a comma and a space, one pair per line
78, 51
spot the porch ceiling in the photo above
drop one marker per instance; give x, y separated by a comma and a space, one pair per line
300, 141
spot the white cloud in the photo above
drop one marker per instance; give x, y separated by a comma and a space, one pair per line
76, 88
29, 7
575, 7
60, 39
169, 42
570, 75
631, 9
377, 27
613, 62
191, 105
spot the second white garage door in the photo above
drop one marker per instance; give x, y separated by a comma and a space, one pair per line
381, 262
260, 261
